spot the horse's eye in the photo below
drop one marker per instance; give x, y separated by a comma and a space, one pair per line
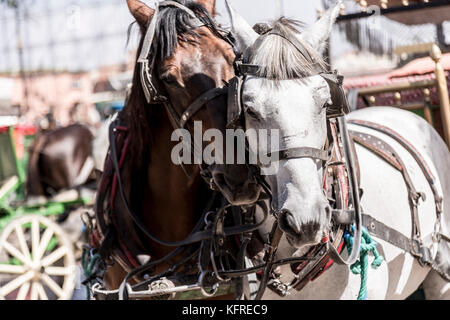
252, 113
169, 79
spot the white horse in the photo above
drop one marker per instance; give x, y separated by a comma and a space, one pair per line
297, 108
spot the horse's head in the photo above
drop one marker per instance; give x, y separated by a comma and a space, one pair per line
192, 56
287, 94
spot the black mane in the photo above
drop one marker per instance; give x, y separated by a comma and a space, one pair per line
174, 25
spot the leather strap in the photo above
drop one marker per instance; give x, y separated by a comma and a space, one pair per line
199, 103
275, 237
412, 150
248, 69
234, 108
386, 152
145, 73
302, 152
354, 190
382, 231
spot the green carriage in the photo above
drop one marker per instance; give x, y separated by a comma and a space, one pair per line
37, 255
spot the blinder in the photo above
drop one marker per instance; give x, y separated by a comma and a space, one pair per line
234, 108
339, 106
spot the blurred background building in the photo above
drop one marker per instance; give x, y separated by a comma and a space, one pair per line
63, 57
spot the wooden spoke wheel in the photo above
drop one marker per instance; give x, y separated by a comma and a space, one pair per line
36, 260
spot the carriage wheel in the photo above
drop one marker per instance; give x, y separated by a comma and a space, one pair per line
36, 260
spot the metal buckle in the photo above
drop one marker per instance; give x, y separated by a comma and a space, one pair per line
425, 258
421, 252
97, 290
280, 288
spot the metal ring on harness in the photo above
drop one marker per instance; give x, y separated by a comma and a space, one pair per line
200, 283
216, 272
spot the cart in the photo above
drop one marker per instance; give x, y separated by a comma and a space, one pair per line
37, 255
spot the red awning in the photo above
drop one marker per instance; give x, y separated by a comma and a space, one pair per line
416, 70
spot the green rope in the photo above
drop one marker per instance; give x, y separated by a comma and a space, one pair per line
361, 266
88, 263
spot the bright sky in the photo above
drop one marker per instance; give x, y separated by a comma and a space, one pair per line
262, 10
85, 34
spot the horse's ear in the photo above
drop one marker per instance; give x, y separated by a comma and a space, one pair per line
242, 31
317, 34
209, 5
141, 12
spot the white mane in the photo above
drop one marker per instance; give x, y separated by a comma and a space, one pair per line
279, 59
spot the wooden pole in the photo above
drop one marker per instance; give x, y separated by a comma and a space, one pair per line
441, 80
427, 109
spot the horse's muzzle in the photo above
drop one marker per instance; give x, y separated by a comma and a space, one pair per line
237, 183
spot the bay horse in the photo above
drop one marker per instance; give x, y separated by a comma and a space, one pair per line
59, 159
190, 59
404, 168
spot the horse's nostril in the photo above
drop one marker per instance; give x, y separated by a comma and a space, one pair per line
300, 233
288, 223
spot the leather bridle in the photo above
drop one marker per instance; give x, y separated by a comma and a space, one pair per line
153, 96
339, 107
209, 233
203, 231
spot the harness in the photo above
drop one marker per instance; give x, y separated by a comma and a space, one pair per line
413, 244
208, 245
345, 213
321, 253
210, 233
207, 239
